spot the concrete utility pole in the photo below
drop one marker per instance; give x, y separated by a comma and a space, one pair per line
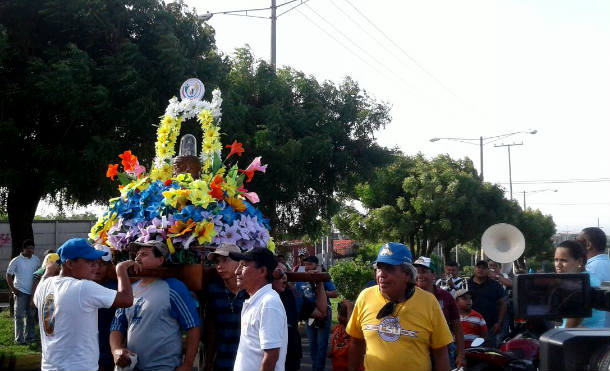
481, 150
273, 32
510, 176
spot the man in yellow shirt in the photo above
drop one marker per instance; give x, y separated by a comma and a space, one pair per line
396, 325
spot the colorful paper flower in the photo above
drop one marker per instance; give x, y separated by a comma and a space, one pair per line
112, 171
236, 148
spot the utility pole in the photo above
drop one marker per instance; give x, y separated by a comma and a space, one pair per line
481, 149
273, 32
510, 176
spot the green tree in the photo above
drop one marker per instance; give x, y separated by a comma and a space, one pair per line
423, 203
81, 82
317, 138
351, 277
538, 230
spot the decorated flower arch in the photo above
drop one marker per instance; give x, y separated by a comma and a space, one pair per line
182, 206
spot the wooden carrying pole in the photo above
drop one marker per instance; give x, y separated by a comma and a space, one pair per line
195, 276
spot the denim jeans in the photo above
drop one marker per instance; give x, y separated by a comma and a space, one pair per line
318, 343
25, 316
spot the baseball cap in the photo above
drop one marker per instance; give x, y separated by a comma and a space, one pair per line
425, 262
159, 245
261, 255
76, 248
460, 292
100, 247
312, 259
223, 250
49, 258
394, 253
482, 263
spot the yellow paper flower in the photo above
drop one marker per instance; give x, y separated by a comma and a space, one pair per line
177, 198
236, 204
200, 198
163, 173
271, 245
230, 186
205, 118
184, 179
204, 232
212, 133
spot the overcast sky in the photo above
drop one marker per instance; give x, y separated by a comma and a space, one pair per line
465, 69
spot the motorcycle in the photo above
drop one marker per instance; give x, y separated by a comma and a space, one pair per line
519, 352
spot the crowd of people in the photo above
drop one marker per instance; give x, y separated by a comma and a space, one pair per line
415, 316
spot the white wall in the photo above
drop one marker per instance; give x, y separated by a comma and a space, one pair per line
48, 234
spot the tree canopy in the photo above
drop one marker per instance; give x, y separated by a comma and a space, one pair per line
81, 81
317, 138
424, 202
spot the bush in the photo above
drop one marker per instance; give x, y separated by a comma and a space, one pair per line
351, 277
467, 271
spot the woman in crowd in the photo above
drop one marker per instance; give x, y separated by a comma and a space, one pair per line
571, 257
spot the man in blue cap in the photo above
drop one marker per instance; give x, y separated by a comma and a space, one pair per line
396, 325
67, 307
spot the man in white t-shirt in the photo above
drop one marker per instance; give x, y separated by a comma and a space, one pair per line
264, 330
19, 277
67, 307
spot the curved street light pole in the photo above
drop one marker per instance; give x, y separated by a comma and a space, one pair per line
481, 142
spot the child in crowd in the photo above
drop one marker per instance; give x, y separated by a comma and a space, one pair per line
473, 324
340, 340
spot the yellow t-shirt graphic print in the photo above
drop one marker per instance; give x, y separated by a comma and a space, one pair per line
401, 341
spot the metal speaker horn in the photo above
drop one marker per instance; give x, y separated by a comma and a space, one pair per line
503, 243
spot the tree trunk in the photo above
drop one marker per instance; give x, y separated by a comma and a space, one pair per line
21, 206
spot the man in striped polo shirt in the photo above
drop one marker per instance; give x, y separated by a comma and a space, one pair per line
473, 324
223, 311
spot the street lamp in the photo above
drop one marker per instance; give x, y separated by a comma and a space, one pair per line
244, 13
536, 191
481, 141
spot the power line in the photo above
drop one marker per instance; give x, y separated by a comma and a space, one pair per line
232, 12
560, 181
404, 52
340, 43
286, 11
393, 74
390, 51
569, 204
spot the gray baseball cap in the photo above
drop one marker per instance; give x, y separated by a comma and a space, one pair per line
159, 245
223, 250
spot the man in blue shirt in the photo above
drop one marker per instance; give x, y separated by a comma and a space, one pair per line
161, 307
594, 241
318, 331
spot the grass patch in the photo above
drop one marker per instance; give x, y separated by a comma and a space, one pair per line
333, 305
7, 338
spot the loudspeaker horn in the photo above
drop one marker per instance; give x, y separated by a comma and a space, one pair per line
503, 243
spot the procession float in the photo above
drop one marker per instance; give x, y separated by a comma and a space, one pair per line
193, 203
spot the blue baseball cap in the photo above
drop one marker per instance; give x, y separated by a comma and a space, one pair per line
394, 253
76, 248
